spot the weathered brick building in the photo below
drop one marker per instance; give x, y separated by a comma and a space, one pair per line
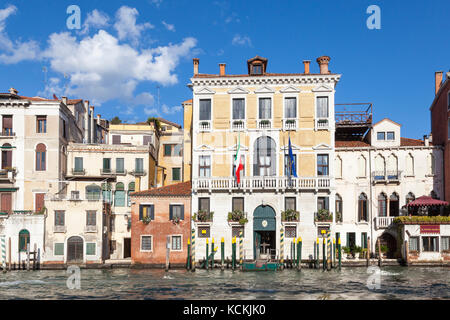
159, 215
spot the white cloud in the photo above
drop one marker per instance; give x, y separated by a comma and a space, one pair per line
126, 24
156, 2
172, 110
239, 40
16, 51
151, 112
168, 26
95, 20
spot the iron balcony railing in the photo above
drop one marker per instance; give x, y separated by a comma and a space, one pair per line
260, 183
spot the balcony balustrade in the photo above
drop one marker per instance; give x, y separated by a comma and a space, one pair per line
289, 124
322, 124
237, 125
264, 124
383, 222
204, 125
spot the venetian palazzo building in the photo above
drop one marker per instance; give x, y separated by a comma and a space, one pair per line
257, 113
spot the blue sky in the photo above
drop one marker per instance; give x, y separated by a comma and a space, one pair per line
125, 50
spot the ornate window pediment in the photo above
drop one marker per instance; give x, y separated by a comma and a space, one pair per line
290, 89
322, 88
205, 90
322, 146
238, 90
203, 148
264, 89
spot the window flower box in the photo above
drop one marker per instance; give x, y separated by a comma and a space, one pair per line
146, 220
323, 215
203, 216
237, 216
290, 215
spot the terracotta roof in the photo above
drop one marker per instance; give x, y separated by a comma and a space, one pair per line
351, 144
187, 101
407, 142
179, 189
169, 122
74, 101
36, 98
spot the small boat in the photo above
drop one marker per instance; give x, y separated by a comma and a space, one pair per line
260, 265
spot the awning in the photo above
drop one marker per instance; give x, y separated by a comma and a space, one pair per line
426, 201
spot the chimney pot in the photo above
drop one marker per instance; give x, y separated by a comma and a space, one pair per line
64, 100
196, 62
437, 81
222, 68
306, 63
13, 91
323, 62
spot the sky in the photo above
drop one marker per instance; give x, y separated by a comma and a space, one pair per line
133, 59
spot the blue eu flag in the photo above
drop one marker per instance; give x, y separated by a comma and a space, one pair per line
292, 170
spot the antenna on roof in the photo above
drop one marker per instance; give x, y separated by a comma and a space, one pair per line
159, 106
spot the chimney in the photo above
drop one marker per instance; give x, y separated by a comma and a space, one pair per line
323, 64
92, 140
13, 91
98, 118
437, 80
306, 63
426, 140
196, 63
64, 100
86, 121
222, 68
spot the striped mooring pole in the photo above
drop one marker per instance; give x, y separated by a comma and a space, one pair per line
324, 259
207, 258
193, 249
222, 253
299, 253
233, 253
241, 249
213, 249
328, 251
282, 248
317, 253
334, 252
339, 252
3, 253
188, 264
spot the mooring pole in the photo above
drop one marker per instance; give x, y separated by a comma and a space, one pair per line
339, 252
3, 245
193, 249
9, 253
233, 253
222, 253
299, 253
167, 252
328, 251
188, 263
317, 255
28, 257
281, 248
324, 260
207, 258
34, 256
380, 262
368, 251
334, 253
213, 251
241, 249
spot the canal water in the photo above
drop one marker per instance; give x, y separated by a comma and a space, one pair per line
350, 283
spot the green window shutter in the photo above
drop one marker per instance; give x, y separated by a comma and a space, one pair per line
120, 165
78, 164
141, 212
119, 199
182, 212
90, 249
176, 174
348, 239
167, 149
152, 212
170, 212
59, 249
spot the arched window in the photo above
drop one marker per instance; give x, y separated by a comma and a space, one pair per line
41, 155
338, 208
131, 187
394, 205
380, 168
93, 192
24, 239
410, 197
106, 192
119, 195
6, 156
382, 205
265, 157
361, 166
392, 167
362, 207
409, 165
338, 167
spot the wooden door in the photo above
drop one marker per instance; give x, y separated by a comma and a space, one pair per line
126, 248
75, 249
6, 202
39, 201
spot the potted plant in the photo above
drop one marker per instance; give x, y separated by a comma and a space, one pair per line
264, 122
237, 216
384, 250
324, 215
290, 215
290, 121
348, 252
203, 216
176, 220
146, 219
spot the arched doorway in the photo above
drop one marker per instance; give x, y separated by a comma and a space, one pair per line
264, 231
75, 249
390, 242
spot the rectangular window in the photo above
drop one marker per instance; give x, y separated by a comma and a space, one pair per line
238, 109
7, 125
75, 195
236, 230
119, 198
203, 204
120, 165
139, 165
64, 129
237, 204
287, 167
290, 231
390, 135
176, 174
176, 211
90, 248
257, 69
146, 140
322, 107
414, 244
59, 218
177, 150
364, 240
204, 232
59, 249
290, 108
322, 203
265, 108
205, 109
116, 139
41, 124
78, 164
91, 218
176, 242
107, 165
204, 166
290, 203
167, 150
322, 165
146, 243
381, 136
146, 211
430, 244
445, 244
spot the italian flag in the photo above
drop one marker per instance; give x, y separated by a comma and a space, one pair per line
238, 163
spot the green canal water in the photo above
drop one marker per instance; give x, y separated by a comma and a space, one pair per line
350, 283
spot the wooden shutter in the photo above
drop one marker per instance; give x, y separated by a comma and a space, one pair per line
6, 202
170, 212
141, 212
116, 139
39, 201
147, 140
152, 212
182, 212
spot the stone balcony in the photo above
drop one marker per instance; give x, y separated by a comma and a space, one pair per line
383, 222
261, 183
